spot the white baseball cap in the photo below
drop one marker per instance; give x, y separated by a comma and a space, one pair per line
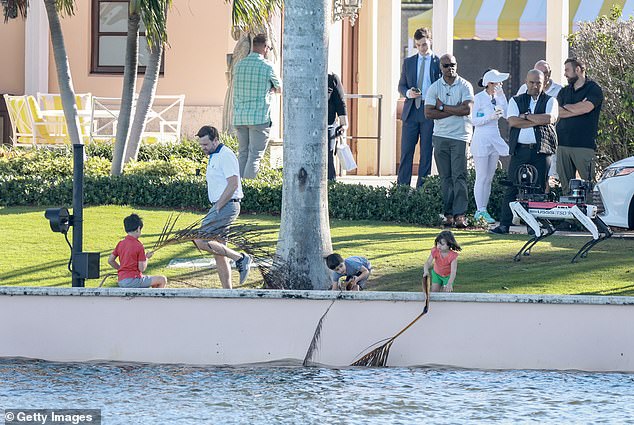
494, 76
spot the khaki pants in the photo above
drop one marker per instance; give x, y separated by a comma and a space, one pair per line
572, 160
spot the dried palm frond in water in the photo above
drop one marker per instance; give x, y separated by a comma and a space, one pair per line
314, 343
378, 356
243, 236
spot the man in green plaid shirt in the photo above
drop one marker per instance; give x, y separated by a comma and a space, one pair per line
254, 83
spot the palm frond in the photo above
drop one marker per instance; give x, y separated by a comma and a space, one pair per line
249, 14
378, 356
14, 8
65, 7
246, 237
313, 348
154, 16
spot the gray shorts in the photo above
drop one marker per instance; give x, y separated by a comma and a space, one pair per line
216, 223
136, 282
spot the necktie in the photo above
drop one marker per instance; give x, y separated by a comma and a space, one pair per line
421, 72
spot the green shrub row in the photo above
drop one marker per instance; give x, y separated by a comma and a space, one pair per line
350, 202
58, 162
172, 176
186, 149
402, 203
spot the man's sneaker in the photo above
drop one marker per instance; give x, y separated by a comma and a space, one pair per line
244, 266
500, 230
448, 220
460, 222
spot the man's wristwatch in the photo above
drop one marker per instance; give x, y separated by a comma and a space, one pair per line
525, 116
441, 107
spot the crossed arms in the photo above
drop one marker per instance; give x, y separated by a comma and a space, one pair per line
460, 110
575, 109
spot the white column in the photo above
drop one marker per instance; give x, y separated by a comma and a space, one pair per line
388, 70
557, 12
36, 59
335, 43
442, 27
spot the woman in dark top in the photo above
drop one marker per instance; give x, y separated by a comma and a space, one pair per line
336, 108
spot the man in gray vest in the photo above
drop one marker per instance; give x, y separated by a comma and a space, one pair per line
532, 117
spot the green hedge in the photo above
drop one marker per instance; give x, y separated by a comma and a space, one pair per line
350, 202
402, 203
44, 177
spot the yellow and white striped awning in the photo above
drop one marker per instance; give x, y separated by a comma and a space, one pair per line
514, 19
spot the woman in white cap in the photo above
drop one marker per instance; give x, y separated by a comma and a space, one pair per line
487, 146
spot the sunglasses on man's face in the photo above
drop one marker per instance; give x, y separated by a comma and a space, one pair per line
448, 65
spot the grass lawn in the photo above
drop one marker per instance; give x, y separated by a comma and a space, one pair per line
32, 255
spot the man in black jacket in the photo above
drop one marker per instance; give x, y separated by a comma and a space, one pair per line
532, 117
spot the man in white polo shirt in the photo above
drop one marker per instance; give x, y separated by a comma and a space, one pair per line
448, 102
225, 193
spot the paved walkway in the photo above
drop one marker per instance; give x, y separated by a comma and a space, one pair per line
383, 181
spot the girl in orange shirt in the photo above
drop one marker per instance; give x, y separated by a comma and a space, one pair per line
444, 257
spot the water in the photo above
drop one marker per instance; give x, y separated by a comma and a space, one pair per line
168, 394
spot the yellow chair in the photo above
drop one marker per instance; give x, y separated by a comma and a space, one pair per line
27, 125
53, 102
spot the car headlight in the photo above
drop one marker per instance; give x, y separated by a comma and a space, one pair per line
617, 171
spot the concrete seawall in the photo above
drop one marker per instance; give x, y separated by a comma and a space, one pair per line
230, 327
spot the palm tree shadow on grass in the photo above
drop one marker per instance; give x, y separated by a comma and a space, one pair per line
621, 291
26, 272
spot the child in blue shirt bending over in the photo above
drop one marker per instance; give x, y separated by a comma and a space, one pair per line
356, 270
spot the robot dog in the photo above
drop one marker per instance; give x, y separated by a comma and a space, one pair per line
537, 211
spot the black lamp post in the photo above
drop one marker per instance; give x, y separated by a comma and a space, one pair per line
85, 265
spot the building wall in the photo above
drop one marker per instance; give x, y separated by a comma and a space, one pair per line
378, 66
12, 41
199, 34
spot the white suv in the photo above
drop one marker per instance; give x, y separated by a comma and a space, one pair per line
614, 194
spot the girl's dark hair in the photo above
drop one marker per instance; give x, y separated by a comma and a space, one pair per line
333, 260
449, 238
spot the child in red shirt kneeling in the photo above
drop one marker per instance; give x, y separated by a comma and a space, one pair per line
133, 258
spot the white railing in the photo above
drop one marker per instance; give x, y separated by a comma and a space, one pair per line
43, 121
162, 124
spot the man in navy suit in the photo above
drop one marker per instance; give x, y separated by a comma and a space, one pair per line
419, 72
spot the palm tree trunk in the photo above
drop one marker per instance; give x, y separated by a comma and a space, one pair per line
304, 231
144, 102
127, 92
64, 79
240, 51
